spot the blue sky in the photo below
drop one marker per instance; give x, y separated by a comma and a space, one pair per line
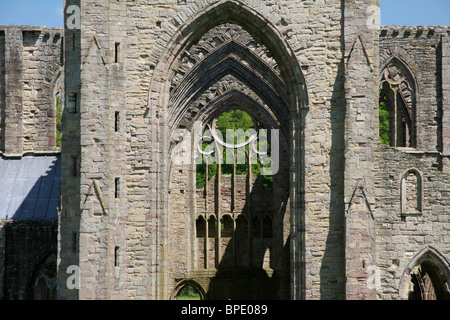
400, 12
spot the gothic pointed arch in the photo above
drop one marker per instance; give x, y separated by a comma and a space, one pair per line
398, 95
426, 277
171, 55
223, 57
43, 285
197, 289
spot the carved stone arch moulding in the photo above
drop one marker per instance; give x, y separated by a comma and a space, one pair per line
168, 56
398, 85
188, 283
433, 267
217, 57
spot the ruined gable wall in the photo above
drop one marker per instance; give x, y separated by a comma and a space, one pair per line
30, 67
316, 43
312, 29
421, 50
401, 235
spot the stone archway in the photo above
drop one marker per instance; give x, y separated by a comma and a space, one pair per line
426, 277
398, 90
196, 289
228, 56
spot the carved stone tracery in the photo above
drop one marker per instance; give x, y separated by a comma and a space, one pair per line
398, 85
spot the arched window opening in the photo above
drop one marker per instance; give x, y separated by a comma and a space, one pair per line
227, 226
241, 236
188, 292
196, 81
427, 283
256, 227
397, 106
58, 118
212, 227
200, 226
44, 286
241, 227
267, 227
233, 127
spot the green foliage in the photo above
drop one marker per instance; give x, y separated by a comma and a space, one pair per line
234, 120
384, 120
58, 120
188, 293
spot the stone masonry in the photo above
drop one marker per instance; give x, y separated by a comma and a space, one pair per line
359, 220
345, 217
31, 77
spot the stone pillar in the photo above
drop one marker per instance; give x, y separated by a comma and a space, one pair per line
361, 123
69, 240
93, 216
13, 92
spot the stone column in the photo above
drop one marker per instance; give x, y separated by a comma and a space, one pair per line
361, 95
13, 92
70, 242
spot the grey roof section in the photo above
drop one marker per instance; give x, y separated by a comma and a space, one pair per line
29, 187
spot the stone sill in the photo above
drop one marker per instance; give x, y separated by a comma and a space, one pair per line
411, 214
211, 272
416, 151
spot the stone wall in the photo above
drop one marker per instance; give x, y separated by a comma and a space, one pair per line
421, 51
151, 37
30, 78
403, 235
311, 69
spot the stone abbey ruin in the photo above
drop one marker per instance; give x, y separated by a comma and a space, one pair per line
100, 175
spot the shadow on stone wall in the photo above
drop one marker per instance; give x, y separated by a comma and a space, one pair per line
332, 270
240, 273
27, 244
30, 231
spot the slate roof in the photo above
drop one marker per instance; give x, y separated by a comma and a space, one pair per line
29, 187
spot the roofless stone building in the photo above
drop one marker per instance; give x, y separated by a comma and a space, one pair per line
143, 84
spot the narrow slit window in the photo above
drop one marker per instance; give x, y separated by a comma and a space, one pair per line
116, 256
61, 53
74, 242
74, 166
116, 188
116, 52
72, 102
117, 121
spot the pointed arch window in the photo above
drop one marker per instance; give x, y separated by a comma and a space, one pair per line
398, 105
426, 277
